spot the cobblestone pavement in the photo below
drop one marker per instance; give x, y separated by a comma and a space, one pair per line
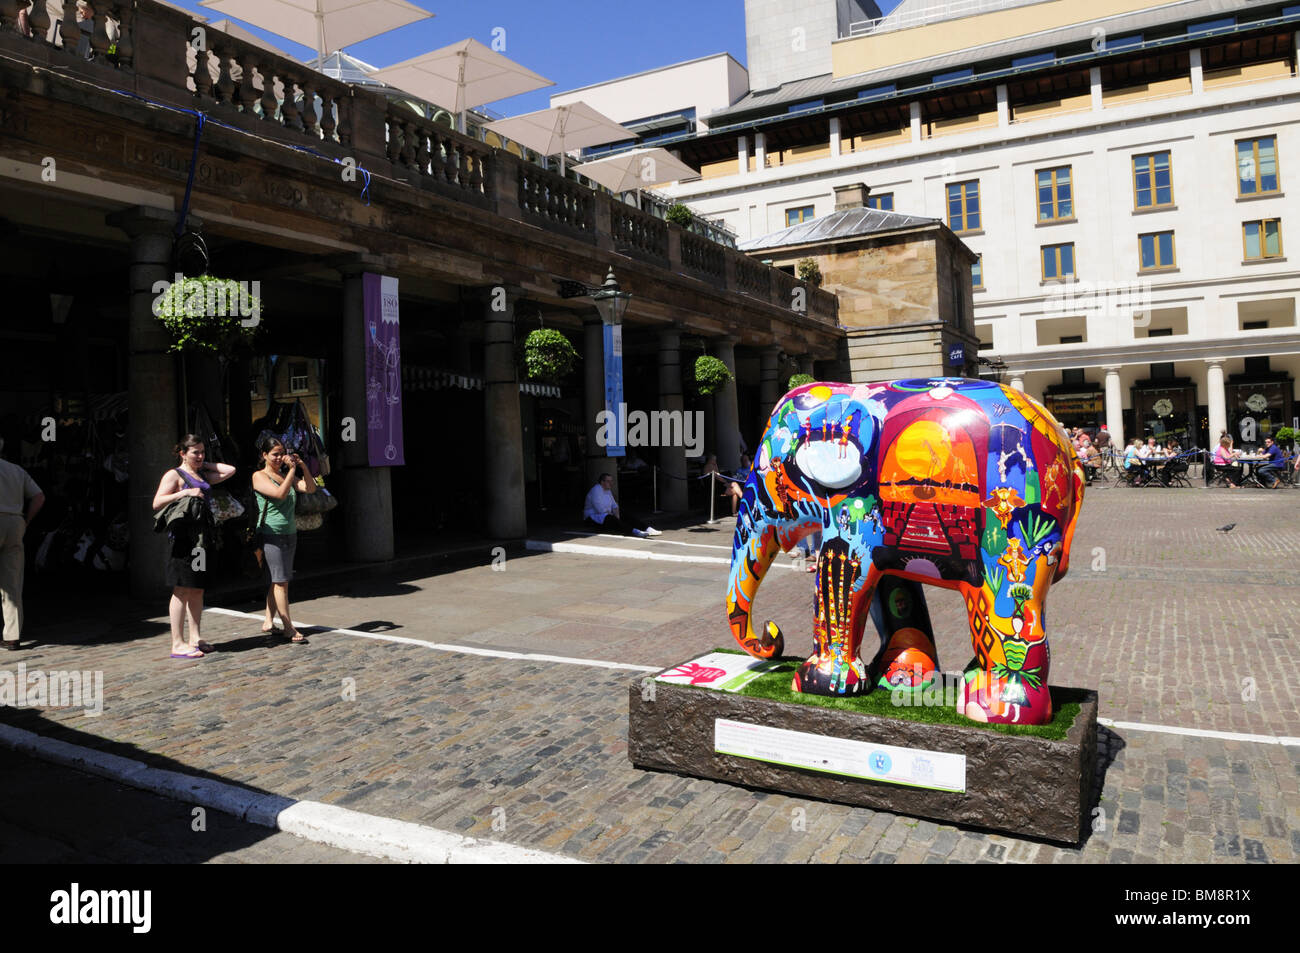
1172, 621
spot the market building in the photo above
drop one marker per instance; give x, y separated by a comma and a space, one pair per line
1124, 172
299, 203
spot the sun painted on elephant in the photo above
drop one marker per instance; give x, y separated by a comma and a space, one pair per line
943, 481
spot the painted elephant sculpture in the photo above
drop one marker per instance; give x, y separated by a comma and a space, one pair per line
951, 482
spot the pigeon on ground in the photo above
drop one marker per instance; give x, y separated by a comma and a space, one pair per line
1227, 529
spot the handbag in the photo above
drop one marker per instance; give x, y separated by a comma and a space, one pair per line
254, 554
224, 506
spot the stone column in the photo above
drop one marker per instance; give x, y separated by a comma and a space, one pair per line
1004, 109
1197, 70
1094, 86
1114, 408
915, 112
835, 135
672, 460
1018, 383
504, 452
151, 392
769, 387
1215, 399
726, 413
806, 365
593, 400
760, 151
366, 494
742, 154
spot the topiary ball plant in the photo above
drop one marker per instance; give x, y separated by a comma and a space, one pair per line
798, 380
711, 375
548, 355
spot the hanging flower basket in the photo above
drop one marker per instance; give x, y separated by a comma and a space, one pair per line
798, 380
711, 375
217, 315
548, 356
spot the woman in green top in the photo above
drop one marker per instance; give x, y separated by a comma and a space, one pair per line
282, 476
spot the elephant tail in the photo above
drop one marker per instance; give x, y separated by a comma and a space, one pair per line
748, 566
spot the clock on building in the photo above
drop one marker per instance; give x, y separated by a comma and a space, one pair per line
1257, 402
1164, 407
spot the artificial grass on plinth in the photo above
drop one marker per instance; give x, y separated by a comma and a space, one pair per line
775, 685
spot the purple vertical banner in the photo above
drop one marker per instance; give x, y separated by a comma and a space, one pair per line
383, 371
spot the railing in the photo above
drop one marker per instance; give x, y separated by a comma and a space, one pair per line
919, 17
556, 199
754, 279
161, 54
638, 230
435, 151
702, 256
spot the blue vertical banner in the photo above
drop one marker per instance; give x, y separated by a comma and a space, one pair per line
383, 344
614, 390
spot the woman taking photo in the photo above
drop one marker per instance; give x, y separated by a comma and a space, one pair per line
276, 485
187, 563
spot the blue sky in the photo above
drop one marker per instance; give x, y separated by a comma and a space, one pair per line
573, 42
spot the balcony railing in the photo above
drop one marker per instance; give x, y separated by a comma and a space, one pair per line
160, 54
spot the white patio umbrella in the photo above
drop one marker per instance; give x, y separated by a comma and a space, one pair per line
560, 129
322, 25
462, 76
637, 169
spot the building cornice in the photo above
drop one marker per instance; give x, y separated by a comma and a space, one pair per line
1151, 351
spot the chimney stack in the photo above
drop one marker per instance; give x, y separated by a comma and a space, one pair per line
851, 196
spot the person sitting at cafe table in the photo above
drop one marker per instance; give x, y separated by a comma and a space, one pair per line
1270, 473
1225, 456
1090, 459
1172, 447
1149, 449
1133, 460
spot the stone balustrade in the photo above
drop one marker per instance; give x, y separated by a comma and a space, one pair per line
162, 54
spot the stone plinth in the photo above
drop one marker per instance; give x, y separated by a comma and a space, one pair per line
1022, 784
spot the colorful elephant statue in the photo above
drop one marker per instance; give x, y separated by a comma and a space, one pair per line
958, 483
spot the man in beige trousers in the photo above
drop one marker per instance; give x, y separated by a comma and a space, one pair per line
20, 500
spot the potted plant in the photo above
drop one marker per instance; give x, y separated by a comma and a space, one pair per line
679, 214
208, 314
809, 272
548, 355
798, 380
711, 375
1286, 437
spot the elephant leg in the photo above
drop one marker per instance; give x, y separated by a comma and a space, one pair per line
835, 668
1006, 681
908, 658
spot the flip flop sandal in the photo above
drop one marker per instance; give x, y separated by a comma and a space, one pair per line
196, 654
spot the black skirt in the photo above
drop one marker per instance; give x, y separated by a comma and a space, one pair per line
180, 569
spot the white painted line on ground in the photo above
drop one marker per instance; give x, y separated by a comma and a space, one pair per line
1202, 732
598, 663
674, 542
449, 647
582, 549
327, 824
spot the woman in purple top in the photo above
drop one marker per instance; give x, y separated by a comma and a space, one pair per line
186, 569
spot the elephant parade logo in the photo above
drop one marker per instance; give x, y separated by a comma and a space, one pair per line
949, 482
